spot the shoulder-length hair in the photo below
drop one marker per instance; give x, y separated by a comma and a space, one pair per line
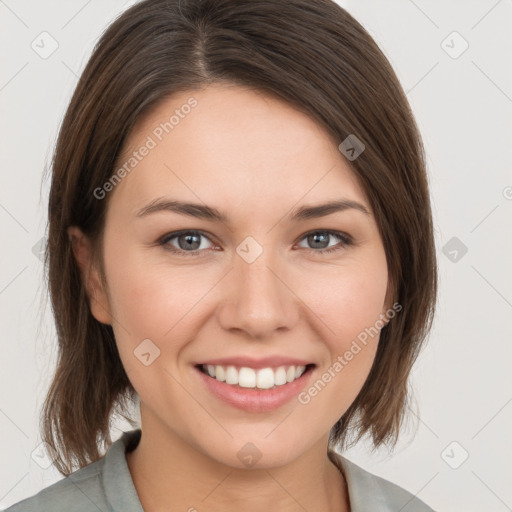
309, 53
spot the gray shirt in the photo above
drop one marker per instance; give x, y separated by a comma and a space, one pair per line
107, 486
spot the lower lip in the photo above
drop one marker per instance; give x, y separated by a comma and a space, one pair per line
253, 399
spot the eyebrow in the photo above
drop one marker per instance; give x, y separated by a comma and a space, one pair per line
202, 211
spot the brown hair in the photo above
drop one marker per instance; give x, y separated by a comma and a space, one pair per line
309, 53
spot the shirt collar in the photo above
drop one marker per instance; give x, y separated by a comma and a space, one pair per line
361, 485
117, 480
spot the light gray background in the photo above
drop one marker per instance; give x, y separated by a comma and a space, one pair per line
461, 382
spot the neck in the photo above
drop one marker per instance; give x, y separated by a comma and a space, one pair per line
170, 474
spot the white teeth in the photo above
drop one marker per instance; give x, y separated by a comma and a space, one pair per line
247, 378
263, 378
220, 374
299, 371
231, 375
280, 376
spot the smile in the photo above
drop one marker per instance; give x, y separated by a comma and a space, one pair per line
256, 389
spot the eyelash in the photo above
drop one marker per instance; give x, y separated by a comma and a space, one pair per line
346, 241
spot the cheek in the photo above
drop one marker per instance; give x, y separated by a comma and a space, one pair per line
349, 302
349, 299
150, 298
147, 300
155, 302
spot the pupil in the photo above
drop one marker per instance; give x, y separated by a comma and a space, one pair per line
190, 240
315, 238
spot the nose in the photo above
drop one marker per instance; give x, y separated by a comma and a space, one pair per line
259, 300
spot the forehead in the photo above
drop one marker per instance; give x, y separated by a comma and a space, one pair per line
229, 145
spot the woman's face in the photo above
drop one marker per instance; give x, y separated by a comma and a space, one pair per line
256, 289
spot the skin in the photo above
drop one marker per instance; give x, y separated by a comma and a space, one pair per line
256, 159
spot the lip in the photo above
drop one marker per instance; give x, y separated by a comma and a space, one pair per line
264, 362
252, 399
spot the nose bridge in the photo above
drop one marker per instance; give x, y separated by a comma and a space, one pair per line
259, 289
259, 301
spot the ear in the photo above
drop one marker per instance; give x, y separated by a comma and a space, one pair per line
98, 299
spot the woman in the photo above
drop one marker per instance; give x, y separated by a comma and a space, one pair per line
240, 238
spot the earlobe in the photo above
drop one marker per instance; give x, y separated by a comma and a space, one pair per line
98, 299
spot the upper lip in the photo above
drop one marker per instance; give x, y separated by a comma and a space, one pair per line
263, 362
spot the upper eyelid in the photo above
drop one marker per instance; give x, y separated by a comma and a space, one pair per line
174, 234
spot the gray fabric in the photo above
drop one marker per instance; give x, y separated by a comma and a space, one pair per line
371, 493
107, 486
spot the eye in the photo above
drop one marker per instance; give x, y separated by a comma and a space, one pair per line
185, 240
189, 242
319, 238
